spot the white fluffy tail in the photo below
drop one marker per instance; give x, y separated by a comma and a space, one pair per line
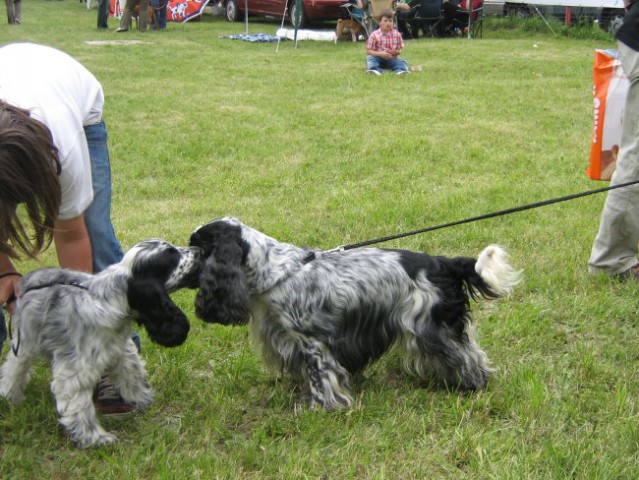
493, 267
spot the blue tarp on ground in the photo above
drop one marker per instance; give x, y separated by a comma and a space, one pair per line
254, 37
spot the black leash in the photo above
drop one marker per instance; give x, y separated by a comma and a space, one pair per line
482, 217
54, 284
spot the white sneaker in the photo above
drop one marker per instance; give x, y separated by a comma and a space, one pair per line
373, 72
402, 72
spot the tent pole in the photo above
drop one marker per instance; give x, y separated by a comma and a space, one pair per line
246, 15
279, 37
544, 19
470, 18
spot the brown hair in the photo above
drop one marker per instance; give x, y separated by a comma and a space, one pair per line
30, 169
387, 13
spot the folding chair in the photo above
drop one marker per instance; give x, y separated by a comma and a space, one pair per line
429, 18
471, 25
477, 22
406, 23
368, 16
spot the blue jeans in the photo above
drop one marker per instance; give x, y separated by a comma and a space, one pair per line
103, 13
394, 64
104, 244
3, 330
159, 8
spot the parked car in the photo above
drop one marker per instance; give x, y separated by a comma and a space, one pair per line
311, 10
607, 13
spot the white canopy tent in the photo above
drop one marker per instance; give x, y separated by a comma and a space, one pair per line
574, 3
568, 4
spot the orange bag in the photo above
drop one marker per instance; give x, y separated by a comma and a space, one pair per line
610, 89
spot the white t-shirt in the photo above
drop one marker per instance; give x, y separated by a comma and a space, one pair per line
63, 95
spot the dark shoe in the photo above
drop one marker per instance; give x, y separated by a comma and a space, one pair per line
109, 403
120, 30
631, 274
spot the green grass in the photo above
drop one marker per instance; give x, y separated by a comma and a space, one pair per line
301, 144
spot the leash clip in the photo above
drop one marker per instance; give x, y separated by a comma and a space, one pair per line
314, 255
321, 253
14, 346
341, 248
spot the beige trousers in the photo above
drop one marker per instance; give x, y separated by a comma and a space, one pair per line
617, 243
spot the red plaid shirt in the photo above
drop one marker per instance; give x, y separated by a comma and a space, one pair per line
382, 42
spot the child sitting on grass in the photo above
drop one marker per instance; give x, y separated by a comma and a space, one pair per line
384, 46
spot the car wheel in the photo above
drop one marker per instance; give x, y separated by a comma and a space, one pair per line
231, 12
610, 19
614, 24
298, 15
516, 10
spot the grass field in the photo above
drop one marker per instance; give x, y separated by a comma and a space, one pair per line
300, 144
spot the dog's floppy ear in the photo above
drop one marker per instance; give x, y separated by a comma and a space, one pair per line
223, 297
166, 324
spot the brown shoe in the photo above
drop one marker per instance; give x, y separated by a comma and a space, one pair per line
109, 402
631, 274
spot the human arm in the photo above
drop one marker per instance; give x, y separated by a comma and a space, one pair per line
384, 55
396, 45
400, 44
384, 45
73, 245
9, 279
373, 47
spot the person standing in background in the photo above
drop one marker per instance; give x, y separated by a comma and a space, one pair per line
615, 248
103, 13
143, 16
159, 10
14, 11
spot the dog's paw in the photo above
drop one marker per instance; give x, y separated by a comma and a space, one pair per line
97, 441
142, 405
141, 400
329, 406
12, 396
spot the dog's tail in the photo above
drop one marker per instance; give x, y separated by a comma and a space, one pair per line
493, 276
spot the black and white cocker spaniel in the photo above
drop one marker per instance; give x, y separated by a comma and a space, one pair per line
322, 316
83, 324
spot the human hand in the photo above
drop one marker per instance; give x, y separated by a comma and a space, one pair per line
9, 290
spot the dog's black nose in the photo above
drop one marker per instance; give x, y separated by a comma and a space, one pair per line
203, 241
195, 240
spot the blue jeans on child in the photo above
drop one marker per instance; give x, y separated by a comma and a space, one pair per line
104, 244
394, 64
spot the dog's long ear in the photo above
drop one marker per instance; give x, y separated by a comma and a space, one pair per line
223, 297
166, 324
